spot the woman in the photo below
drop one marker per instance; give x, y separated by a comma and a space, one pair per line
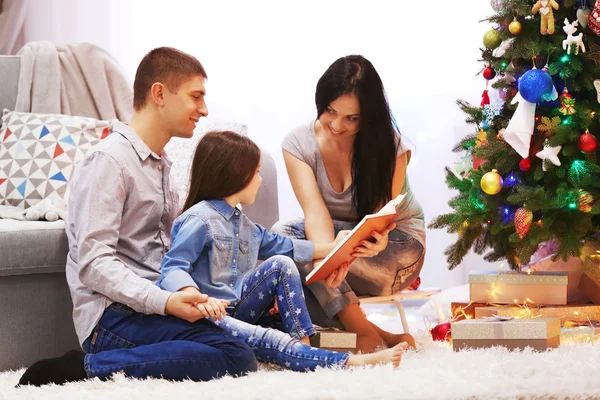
345, 164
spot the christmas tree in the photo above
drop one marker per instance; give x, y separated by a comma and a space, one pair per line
530, 172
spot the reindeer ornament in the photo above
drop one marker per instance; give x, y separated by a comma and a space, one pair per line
570, 28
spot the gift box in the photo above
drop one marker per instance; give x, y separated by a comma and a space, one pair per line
460, 311
538, 333
333, 339
590, 279
569, 312
518, 287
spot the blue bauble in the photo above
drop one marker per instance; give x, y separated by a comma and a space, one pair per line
534, 85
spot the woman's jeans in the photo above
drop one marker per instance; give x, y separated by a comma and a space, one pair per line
388, 273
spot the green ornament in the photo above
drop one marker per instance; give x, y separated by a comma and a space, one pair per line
491, 39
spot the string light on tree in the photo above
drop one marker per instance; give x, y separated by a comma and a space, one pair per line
491, 183
510, 181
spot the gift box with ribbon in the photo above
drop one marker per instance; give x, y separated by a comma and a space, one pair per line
518, 287
538, 333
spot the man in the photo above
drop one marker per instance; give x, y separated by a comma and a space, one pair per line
122, 205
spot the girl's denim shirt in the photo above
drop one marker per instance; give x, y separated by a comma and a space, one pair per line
215, 246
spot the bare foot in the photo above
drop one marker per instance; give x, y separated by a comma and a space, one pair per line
393, 356
369, 343
393, 339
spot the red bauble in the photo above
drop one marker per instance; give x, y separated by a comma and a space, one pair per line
525, 164
415, 285
441, 332
489, 73
587, 142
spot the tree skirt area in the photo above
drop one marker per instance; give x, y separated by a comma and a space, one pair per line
433, 372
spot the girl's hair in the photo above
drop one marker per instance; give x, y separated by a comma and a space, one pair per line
224, 164
374, 149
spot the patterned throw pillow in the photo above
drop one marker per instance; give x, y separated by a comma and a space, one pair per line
38, 153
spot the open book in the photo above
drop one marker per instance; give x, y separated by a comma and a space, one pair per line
362, 231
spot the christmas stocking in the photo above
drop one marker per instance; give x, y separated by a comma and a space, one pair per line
594, 19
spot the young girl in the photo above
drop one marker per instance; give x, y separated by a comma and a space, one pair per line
215, 249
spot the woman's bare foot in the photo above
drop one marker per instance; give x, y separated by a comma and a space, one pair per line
392, 355
367, 338
369, 343
392, 339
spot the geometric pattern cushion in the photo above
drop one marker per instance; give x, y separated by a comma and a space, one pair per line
38, 153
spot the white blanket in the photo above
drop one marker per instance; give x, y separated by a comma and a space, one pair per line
79, 79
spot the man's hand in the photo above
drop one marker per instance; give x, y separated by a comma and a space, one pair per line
191, 305
214, 308
182, 305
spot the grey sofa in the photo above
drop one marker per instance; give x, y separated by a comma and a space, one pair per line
35, 304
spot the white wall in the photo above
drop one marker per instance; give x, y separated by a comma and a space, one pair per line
264, 59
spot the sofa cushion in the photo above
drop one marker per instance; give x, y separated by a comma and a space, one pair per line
38, 153
181, 151
29, 247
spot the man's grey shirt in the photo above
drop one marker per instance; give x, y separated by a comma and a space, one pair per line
122, 204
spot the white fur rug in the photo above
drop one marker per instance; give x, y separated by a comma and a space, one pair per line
435, 372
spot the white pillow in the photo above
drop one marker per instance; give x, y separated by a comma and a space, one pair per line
181, 151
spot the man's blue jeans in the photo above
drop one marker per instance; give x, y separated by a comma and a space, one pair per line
163, 347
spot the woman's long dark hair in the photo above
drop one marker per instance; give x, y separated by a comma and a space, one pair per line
224, 164
374, 149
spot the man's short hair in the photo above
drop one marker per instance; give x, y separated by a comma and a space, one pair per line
166, 65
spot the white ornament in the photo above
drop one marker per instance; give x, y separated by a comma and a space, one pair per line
520, 128
597, 86
549, 153
570, 28
582, 16
462, 167
504, 46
